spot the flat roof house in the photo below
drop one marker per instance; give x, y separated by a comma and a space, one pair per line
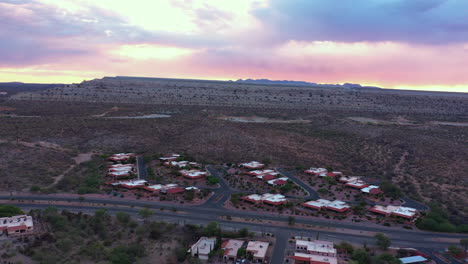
337, 205
119, 174
170, 157
304, 258
121, 157
17, 225
253, 165
405, 212
268, 198
357, 184
316, 247
202, 247
315, 171
345, 179
413, 260
158, 188
258, 249
315, 252
331, 174
260, 172
279, 181
266, 177
372, 190
193, 174
230, 248
132, 184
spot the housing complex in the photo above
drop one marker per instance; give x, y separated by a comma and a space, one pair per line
16, 225
314, 252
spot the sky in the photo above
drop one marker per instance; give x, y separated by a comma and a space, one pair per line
402, 44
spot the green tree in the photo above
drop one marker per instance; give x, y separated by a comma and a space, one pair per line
145, 213
7, 210
387, 258
212, 180
291, 220
390, 189
189, 195
361, 256
211, 229
382, 241
243, 232
35, 189
241, 252
345, 246
322, 191
181, 254
454, 250
123, 218
464, 243
93, 250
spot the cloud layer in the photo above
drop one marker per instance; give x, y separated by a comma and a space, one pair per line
390, 43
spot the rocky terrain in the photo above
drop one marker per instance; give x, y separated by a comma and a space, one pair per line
216, 93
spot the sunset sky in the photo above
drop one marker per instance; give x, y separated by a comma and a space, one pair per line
404, 44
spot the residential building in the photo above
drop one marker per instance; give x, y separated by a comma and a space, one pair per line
258, 249
336, 206
316, 247
181, 164
230, 248
268, 198
315, 252
357, 184
279, 181
121, 157
346, 179
160, 188
331, 174
316, 171
16, 225
253, 165
131, 184
414, 260
372, 190
304, 258
261, 172
266, 177
170, 157
203, 247
405, 212
193, 174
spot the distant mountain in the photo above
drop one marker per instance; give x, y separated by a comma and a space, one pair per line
16, 87
302, 83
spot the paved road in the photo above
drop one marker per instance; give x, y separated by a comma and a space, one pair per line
213, 210
416, 237
313, 195
222, 194
142, 172
414, 204
282, 233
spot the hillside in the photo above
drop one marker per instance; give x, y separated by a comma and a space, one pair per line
216, 93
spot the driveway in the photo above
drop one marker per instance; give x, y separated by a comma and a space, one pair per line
313, 195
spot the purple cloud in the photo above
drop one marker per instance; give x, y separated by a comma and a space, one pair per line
414, 21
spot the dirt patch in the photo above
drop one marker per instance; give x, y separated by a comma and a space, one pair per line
140, 117
113, 109
80, 158
257, 119
442, 123
397, 121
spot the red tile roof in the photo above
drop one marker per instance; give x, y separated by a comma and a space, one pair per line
176, 190
280, 182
